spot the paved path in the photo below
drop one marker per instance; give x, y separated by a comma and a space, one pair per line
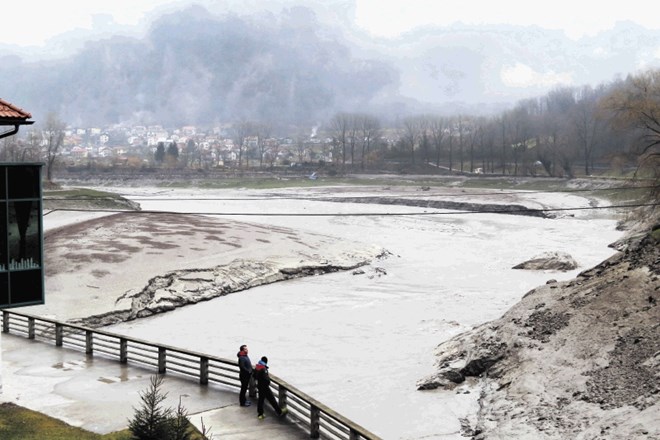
100, 395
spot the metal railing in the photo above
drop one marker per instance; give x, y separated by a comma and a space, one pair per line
321, 421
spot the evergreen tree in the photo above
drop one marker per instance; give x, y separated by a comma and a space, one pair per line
180, 423
159, 156
173, 151
152, 421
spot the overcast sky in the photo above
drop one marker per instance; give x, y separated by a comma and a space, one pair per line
33, 22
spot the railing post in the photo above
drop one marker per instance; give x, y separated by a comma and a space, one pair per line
314, 422
30, 328
59, 334
353, 435
162, 360
5, 321
203, 370
123, 350
281, 396
89, 342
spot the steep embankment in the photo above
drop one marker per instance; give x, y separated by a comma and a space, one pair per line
572, 360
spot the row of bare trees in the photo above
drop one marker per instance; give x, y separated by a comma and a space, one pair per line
354, 134
569, 129
612, 124
566, 126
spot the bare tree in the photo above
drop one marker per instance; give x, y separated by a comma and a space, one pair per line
521, 132
240, 132
9, 152
462, 129
411, 134
451, 133
637, 106
587, 125
503, 125
339, 125
263, 131
353, 126
489, 131
554, 131
437, 126
32, 150
370, 129
53, 134
272, 153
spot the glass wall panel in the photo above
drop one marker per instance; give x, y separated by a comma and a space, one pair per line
3, 184
4, 288
4, 260
21, 235
23, 182
26, 286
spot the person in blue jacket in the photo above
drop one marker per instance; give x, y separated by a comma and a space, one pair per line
263, 385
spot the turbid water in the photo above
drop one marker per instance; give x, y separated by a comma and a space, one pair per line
359, 342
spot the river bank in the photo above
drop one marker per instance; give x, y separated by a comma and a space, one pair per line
577, 359
439, 265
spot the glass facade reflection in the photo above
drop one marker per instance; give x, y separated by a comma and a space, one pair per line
21, 235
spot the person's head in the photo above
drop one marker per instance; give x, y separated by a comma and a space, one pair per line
243, 348
264, 359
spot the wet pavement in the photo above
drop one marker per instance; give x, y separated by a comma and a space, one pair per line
100, 395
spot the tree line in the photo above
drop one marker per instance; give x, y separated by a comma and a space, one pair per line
567, 131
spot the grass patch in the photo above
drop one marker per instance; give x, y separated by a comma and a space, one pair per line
84, 198
79, 193
19, 423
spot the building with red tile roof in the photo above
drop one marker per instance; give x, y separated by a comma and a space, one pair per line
12, 115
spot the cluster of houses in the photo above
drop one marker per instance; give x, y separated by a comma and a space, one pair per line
138, 144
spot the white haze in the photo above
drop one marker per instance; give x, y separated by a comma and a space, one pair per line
468, 52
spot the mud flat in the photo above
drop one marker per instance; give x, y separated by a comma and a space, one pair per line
128, 265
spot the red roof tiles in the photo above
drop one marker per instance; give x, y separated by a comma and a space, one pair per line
10, 111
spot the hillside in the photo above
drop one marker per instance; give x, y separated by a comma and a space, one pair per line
197, 68
572, 360
300, 63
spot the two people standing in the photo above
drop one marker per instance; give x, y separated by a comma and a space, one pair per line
247, 376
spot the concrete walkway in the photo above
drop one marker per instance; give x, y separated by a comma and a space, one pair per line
100, 395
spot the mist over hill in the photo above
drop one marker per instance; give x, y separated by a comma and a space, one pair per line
299, 65
196, 68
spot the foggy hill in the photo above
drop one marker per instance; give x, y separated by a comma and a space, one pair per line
196, 68
300, 65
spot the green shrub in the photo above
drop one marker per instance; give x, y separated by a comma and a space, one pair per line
153, 421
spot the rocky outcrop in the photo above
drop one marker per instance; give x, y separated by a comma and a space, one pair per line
560, 261
576, 359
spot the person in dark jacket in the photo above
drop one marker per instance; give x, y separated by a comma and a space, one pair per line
244, 374
263, 385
